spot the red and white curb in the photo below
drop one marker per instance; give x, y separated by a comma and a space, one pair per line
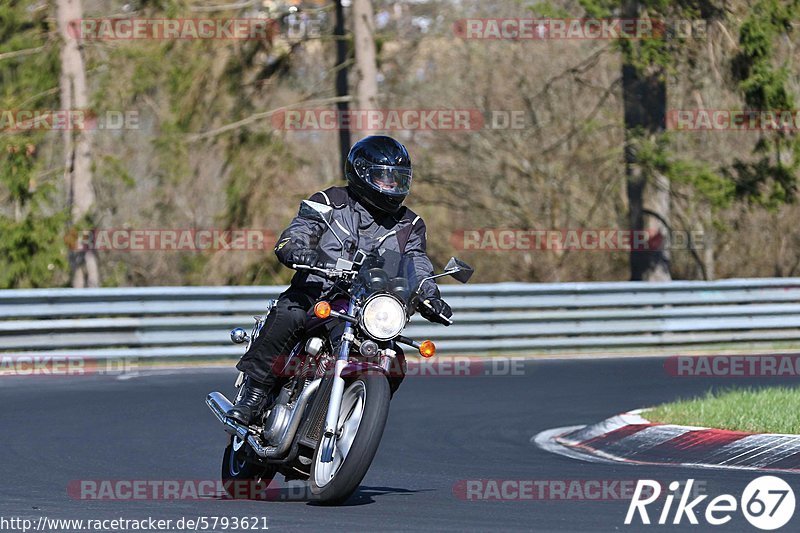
630, 438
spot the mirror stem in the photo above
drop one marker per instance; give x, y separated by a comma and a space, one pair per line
334, 234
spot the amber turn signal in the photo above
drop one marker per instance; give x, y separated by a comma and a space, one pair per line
427, 349
322, 309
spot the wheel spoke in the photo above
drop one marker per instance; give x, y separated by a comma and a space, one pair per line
350, 428
351, 412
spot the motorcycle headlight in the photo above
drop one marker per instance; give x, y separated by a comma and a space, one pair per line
383, 317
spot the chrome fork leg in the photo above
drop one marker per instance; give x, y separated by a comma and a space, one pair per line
337, 391
332, 416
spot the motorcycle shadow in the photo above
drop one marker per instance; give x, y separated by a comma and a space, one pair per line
299, 492
366, 495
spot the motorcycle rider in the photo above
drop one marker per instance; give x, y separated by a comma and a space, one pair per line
368, 214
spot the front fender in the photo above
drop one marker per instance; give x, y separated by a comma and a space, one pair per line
359, 368
395, 374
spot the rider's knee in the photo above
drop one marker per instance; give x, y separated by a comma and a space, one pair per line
292, 313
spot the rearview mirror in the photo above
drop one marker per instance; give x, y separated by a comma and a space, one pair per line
455, 267
316, 211
459, 270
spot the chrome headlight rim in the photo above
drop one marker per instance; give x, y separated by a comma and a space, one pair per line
401, 308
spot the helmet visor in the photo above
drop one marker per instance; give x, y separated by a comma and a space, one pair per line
390, 180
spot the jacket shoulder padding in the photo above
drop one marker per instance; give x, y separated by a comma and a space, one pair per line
410, 216
336, 197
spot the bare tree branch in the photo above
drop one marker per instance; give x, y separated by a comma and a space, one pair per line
21, 53
223, 7
266, 114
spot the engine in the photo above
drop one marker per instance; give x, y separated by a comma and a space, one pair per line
277, 420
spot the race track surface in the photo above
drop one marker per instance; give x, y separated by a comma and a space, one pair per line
441, 430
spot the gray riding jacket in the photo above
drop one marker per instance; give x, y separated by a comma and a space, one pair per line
403, 232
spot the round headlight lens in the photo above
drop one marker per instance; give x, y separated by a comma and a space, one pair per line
383, 317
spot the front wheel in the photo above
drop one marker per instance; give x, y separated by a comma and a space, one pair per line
362, 417
242, 479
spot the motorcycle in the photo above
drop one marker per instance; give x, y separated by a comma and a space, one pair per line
327, 413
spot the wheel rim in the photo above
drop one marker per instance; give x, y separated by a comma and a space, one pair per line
236, 461
350, 415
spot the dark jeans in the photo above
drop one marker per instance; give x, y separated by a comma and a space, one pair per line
282, 329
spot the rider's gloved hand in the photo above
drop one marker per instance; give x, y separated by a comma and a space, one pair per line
305, 256
437, 309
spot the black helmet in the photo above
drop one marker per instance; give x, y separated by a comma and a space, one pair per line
378, 171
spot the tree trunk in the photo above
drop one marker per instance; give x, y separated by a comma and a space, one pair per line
708, 253
342, 88
645, 100
77, 144
366, 66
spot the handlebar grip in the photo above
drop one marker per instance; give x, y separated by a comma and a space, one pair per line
322, 265
440, 315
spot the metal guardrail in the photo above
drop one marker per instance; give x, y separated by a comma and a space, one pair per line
564, 317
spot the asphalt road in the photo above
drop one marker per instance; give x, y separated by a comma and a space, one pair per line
441, 430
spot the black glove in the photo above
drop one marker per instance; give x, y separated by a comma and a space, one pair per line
304, 256
437, 307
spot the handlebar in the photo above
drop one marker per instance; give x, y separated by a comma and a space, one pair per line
327, 270
407, 341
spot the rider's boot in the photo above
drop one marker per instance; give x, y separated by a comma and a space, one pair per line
254, 397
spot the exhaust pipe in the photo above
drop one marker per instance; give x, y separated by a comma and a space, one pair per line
220, 405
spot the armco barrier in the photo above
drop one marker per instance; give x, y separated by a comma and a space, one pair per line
563, 317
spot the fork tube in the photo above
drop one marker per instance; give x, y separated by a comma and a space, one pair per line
335, 403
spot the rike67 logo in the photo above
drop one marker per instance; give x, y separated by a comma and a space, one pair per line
767, 503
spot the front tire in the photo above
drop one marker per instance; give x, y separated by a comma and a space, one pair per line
241, 478
362, 418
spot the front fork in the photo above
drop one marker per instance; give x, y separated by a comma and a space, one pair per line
337, 391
